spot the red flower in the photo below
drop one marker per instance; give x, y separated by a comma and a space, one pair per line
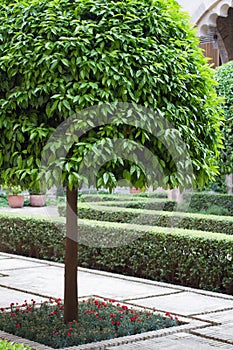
18, 325
12, 304
124, 307
118, 323
13, 314
2, 309
68, 334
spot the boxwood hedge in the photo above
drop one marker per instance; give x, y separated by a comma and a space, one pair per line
212, 223
190, 258
143, 203
203, 201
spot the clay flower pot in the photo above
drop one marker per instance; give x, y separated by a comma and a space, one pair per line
37, 200
134, 190
16, 201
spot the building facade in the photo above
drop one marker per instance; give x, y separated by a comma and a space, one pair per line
214, 22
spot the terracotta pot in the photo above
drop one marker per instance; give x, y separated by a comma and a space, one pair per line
37, 200
134, 190
16, 201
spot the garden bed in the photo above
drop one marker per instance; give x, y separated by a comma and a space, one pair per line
98, 320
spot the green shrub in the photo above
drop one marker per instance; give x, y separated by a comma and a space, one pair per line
122, 197
3, 200
143, 203
215, 210
155, 218
5, 345
189, 258
151, 194
201, 202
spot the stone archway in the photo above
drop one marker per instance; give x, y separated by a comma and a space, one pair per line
225, 31
215, 29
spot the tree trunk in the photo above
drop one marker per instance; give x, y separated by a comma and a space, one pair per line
71, 259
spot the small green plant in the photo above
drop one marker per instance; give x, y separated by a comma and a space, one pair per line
12, 189
5, 345
98, 320
3, 200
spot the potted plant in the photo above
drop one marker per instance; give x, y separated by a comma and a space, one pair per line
37, 195
14, 195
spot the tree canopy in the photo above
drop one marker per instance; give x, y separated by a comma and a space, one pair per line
224, 77
58, 58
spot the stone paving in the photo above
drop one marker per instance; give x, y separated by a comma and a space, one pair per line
209, 315
178, 341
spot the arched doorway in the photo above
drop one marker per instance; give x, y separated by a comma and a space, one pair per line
215, 30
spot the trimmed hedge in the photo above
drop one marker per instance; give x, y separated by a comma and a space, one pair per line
143, 203
122, 197
151, 195
203, 201
214, 223
190, 258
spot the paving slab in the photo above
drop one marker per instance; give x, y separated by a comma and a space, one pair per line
178, 341
223, 332
8, 296
218, 317
47, 211
44, 280
186, 303
14, 264
49, 280
117, 288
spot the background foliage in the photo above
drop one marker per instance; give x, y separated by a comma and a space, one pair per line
224, 77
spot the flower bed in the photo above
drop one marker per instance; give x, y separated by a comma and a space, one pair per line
98, 320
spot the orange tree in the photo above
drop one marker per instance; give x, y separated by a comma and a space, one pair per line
60, 57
